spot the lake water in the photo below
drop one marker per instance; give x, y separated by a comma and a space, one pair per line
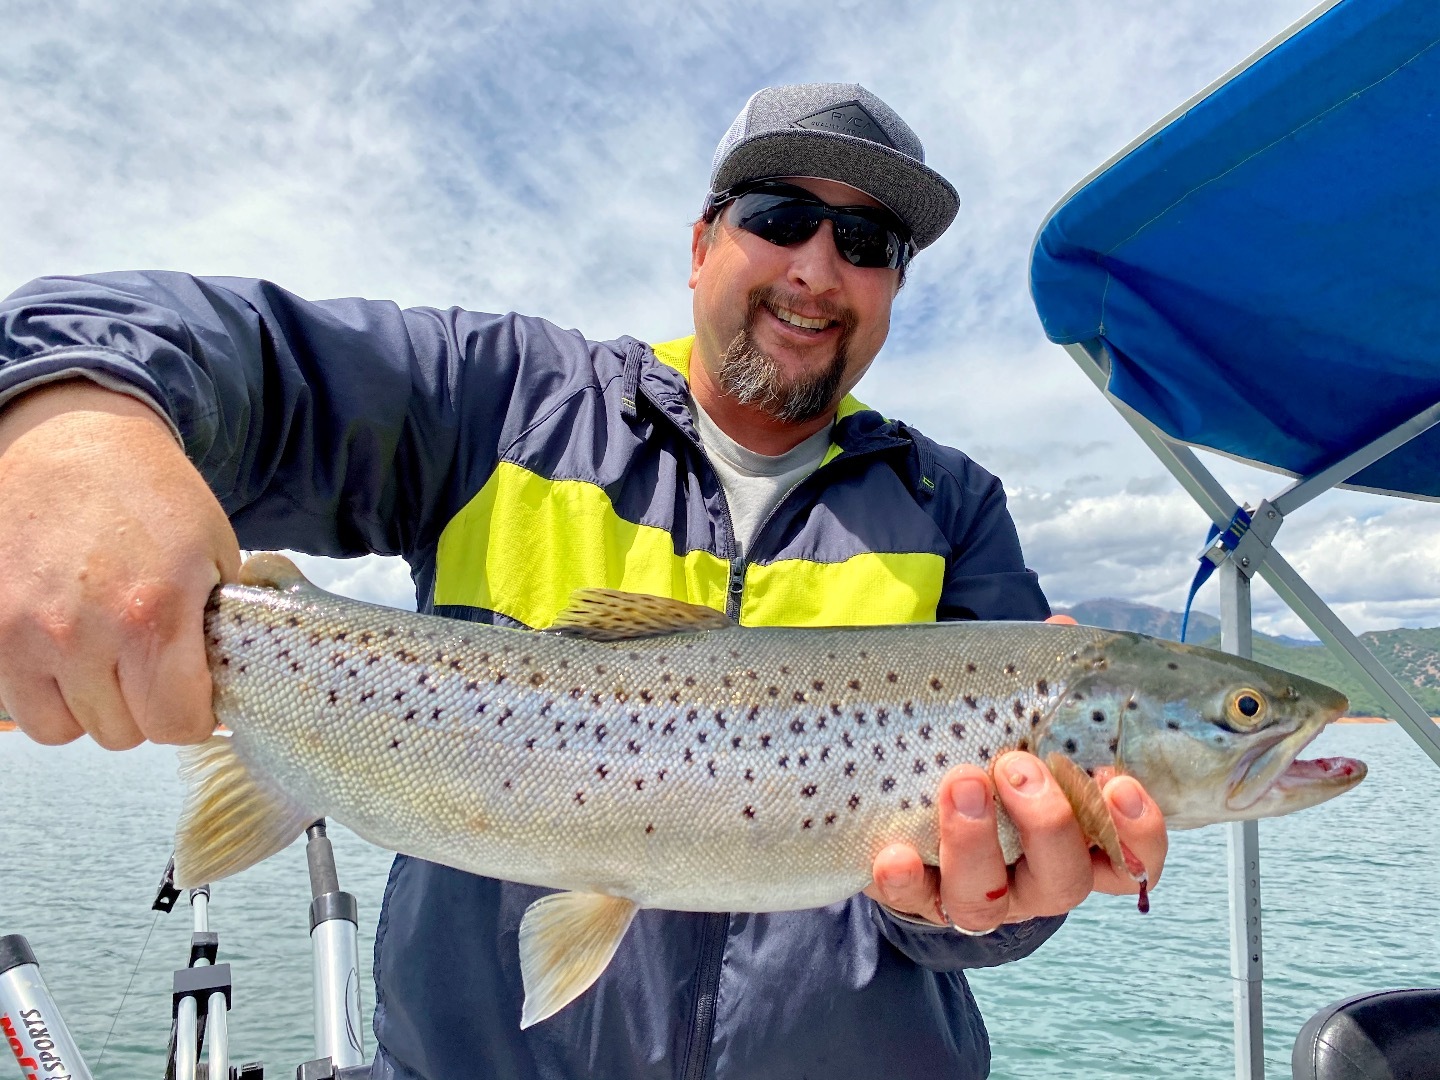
1349, 889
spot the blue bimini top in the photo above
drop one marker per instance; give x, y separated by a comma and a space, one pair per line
1263, 267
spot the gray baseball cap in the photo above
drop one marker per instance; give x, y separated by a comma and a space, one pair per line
836, 131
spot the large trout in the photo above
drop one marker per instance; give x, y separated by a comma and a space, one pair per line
645, 753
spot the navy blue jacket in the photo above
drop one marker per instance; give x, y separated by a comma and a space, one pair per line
350, 426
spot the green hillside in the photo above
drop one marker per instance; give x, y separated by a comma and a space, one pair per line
1412, 656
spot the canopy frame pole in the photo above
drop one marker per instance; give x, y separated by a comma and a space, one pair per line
1247, 952
1255, 554
1216, 502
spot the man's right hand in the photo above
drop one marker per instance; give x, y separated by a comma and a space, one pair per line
110, 543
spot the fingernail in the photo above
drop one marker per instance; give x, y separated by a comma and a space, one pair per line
1125, 797
1023, 773
970, 798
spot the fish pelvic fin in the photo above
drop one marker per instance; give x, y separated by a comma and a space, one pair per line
230, 821
566, 940
613, 615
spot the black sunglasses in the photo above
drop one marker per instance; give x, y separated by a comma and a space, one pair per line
786, 215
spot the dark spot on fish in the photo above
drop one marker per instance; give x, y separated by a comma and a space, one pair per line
908, 709
891, 677
735, 741
500, 678
1035, 718
808, 791
751, 675
639, 784
971, 668
864, 655
669, 728
394, 744
846, 738
797, 726
919, 766
665, 678
580, 724
984, 753
1042, 687
887, 784
941, 760
925, 801
545, 709
1173, 666
530, 744
600, 732
580, 797
991, 716
334, 696
807, 823
799, 696
753, 713
727, 681
773, 691
720, 720
824, 753
1173, 725
859, 715
935, 683
849, 768
854, 802
750, 775
435, 715
784, 669
900, 742
957, 730
765, 741
784, 761
700, 736
424, 675
602, 771
661, 774
710, 765
689, 680
577, 692
1009, 669
820, 722
1132, 705
904, 804
830, 819
854, 684
1098, 716
689, 756
1009, 729
803, 759
817, 685
749, 811
1070, 746
646, 696
879, 752
633, 746
506, 785
649, 829
410, 715
562, 744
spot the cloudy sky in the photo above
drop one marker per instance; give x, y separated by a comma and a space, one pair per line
548, 157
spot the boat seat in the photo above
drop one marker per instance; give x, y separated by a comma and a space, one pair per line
1382, 1035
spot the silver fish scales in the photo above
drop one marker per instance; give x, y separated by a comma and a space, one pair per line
697, 766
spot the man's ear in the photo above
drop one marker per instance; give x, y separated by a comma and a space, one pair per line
699, 248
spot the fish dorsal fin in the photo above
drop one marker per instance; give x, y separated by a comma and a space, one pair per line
566, 941
271, 570
612, 615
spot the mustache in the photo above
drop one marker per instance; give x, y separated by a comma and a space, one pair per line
771, 296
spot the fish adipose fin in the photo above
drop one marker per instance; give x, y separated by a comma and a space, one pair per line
230, 822
566, 941
612, 615
271, 570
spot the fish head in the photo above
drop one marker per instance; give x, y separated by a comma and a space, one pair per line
1212, 737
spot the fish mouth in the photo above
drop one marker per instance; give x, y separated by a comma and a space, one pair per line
1275, 765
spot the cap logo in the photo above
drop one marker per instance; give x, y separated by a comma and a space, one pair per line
849, 119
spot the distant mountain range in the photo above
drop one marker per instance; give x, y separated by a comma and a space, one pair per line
1412, 656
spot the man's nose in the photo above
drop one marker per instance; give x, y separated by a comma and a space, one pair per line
815, 264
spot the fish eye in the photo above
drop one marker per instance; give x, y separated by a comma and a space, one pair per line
1245, 708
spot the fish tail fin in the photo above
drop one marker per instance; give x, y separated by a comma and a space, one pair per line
566, 941
230, 821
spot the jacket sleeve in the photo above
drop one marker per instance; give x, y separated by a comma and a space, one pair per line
330, 427
985, 578
940, 948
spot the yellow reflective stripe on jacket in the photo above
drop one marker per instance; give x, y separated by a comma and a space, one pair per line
524, 543
866, 589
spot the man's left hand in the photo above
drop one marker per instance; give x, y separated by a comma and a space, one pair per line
974, 887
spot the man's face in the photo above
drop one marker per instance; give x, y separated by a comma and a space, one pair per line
788, 330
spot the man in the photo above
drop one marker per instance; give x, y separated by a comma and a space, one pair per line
511, 462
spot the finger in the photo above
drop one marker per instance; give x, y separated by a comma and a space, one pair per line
974, 880
903, 882
163, 671
1062, 620
1055, 873
92, 695
1141, 826
39, 711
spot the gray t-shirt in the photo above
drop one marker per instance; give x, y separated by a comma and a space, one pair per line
755, 483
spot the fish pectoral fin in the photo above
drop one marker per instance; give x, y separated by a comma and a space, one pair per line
230, 820
566, 941
612, 615
1091, 811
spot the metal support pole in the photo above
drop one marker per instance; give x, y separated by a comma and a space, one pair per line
336, 952
1247, 968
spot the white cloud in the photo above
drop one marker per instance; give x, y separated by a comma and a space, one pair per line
548, 158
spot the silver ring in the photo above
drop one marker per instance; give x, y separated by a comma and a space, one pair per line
961, 930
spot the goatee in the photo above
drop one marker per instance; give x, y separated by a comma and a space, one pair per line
751, 376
